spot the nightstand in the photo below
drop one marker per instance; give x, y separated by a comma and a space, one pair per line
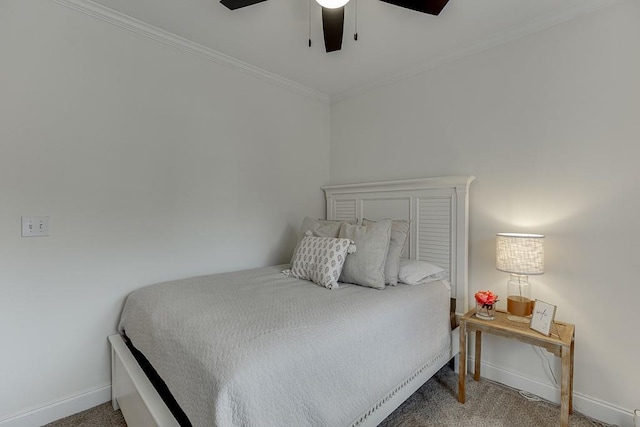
561, 345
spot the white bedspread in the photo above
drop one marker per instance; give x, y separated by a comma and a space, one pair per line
257, 348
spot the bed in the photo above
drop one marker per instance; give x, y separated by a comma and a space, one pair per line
259, 347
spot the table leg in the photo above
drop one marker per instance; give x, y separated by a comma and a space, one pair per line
476, 369
462, 363
571, 377
565, 386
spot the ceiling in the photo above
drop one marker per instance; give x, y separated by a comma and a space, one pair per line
392, 41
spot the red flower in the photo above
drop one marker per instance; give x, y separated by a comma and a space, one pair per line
486, 298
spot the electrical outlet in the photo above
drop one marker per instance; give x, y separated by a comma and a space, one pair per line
34, 226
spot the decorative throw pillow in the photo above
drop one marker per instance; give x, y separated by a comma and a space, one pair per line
320, 259
319, 228
414, 272
399, 233
366, 266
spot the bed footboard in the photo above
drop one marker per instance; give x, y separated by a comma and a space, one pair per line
133, 393
142, 406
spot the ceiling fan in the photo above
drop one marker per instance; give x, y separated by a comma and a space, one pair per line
333, 15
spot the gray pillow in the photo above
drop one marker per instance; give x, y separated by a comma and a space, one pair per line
321, 227
365, 267
399, 232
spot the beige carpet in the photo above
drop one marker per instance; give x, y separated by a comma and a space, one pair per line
434, 404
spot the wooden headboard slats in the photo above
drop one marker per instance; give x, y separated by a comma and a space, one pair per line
438, 211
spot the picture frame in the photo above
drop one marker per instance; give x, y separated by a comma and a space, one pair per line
543, 317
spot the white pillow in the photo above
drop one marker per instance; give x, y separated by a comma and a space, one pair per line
320, 259
414, 272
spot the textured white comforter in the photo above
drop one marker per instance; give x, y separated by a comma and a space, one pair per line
257, 348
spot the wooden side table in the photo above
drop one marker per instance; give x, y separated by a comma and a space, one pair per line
561, 345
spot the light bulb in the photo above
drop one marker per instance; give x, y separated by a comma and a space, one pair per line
332, 4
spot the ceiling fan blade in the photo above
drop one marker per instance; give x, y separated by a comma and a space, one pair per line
432, 7
237, 4
332, 26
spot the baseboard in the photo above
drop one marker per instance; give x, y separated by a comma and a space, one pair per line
59, 409
587, 405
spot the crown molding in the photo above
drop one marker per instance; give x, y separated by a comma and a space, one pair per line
497, 39
129, 23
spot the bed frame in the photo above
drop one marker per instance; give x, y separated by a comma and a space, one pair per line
438, 211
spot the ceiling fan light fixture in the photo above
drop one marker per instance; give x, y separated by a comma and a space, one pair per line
332, 4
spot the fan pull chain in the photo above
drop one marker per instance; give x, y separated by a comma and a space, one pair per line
355, 34
309, 23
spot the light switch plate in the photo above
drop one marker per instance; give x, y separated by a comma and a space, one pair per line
35, 226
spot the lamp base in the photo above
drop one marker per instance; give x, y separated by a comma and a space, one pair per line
519, 309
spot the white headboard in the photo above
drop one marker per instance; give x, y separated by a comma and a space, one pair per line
438, 211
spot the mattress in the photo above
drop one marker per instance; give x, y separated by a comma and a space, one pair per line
258, 348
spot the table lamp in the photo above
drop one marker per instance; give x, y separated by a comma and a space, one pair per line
521, 255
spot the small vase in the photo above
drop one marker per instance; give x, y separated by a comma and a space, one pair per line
486, 311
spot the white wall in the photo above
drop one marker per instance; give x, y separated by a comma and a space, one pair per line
550, 125
152, 163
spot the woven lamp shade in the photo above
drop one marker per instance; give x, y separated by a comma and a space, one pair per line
520, 253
